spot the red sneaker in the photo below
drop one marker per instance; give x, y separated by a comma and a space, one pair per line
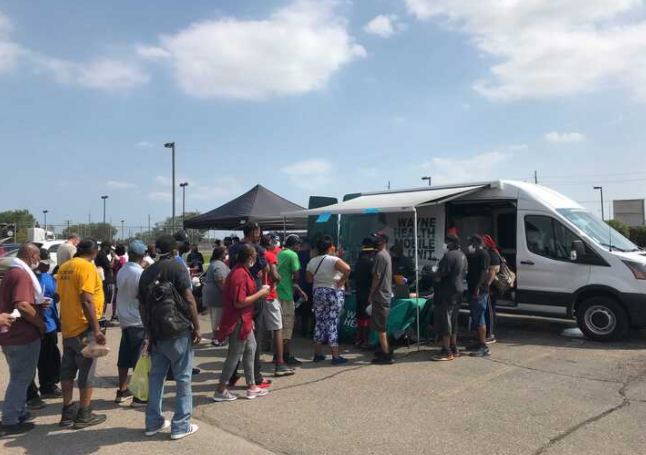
265, 384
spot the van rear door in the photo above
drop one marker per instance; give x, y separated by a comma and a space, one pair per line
547, 275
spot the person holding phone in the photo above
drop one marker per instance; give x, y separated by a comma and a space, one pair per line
240, 295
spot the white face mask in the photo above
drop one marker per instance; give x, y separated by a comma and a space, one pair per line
472, 249
445, 248
252, 263
34, 265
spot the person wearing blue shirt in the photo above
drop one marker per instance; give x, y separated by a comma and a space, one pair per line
49, 361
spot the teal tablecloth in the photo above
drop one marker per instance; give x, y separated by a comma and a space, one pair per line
403, 314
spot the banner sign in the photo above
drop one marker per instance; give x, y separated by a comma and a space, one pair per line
430, 233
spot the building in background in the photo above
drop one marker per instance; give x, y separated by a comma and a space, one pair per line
629, 211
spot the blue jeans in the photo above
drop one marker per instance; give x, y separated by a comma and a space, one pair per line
478, 307
22, 361
176, 354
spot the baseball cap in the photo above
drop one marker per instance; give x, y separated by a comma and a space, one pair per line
45, 257
137, 247
452, 238
165, 244
368, 244
380, 236
292, 240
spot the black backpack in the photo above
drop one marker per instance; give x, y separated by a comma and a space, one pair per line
168, 314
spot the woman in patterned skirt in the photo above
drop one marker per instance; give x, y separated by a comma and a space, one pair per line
328, 274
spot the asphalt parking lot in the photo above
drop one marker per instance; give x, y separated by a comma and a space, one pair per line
539, 393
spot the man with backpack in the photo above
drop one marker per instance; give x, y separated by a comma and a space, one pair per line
169, 314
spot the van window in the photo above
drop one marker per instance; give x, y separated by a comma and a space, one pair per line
539, 232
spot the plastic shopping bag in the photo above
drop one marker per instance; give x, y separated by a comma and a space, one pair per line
139, 381
95, 350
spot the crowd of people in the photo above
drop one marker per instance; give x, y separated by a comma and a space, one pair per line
250, 288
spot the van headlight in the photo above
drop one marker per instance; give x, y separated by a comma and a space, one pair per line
638, 269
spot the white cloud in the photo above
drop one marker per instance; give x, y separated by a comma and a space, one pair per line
117, 185
518, 147
152, 52
225, 187
564, 137
295, 50
10, 52
478, 168
549, 48
384, 26
144, 144
309, 174
160, 196
163, 180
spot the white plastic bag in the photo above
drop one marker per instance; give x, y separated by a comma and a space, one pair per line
95, 350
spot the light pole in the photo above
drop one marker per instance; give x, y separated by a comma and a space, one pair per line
105, 198
45, 212
183, 185
171, 145
428, 177
122, 221
600, 188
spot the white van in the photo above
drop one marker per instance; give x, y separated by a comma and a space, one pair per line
569, 263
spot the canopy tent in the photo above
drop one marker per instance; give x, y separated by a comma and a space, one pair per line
257, 205
395, 201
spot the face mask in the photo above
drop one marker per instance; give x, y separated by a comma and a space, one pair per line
472, 249
252, 263
445, 248
34, 265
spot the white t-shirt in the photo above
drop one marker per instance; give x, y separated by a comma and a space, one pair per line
327, 275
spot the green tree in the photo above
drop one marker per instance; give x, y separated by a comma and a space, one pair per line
166, 227
22, 219
638, 235
98, 231
619, 227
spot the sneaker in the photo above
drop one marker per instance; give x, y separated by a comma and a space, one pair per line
192, 429
224, 396
196, 371
491, 340
19, 428
318, 358
253, 394
215, 343
339, 360
455, 351
35, 403
443, 356
224, 343
264, 383
483, 351
53, 393
123, 397
164, 426
283, 370
86, 418
293, 361
69, 415
137, 403
383, 360
28, 417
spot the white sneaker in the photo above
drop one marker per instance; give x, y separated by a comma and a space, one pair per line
192, 429
162, 428
224, 396
252, 395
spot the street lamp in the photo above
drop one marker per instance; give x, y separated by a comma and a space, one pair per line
122, 221
600, 188
428, 177
171, 145
45, 212
183, 185
105, 198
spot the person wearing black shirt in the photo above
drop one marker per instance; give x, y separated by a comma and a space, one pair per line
451, 272
402, 265
105, 261
478, 280
362, 277
195, 259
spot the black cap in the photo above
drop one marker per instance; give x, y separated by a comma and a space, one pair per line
292, 240
165, 244
181, 236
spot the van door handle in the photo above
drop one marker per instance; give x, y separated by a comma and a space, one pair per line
527, 262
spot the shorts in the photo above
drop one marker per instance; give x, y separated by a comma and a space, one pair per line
273, 315
132, 339
73, 361
288, 310
446, 314
478, 307
379, 318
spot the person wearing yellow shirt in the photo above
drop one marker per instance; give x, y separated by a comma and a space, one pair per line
81, 298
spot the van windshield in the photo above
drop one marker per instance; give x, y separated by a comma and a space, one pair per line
598, 230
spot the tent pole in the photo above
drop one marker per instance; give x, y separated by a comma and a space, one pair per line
284, 229
416, 275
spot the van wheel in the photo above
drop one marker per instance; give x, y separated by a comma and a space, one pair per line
602, 319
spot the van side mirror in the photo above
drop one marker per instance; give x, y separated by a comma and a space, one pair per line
577, 250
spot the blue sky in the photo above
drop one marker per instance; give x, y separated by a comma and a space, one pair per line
314, 97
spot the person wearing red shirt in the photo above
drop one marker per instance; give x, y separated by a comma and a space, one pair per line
240, 294
272, 311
